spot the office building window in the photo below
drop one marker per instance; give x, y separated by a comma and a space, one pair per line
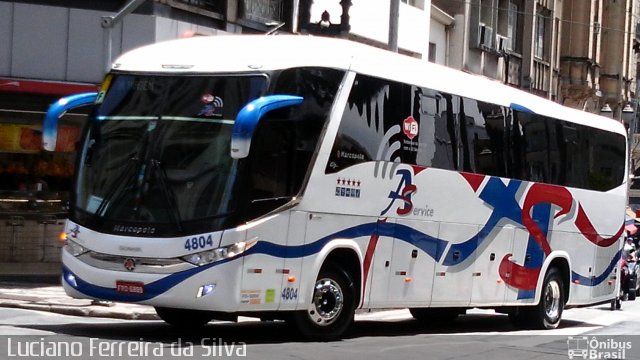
539, 36
432, 52
512, 26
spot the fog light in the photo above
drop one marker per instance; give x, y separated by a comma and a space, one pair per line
71, 280
205, 290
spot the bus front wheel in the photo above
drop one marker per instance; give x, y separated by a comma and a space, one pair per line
184, 318
331, 310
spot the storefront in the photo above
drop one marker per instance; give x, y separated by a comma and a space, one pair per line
34, 184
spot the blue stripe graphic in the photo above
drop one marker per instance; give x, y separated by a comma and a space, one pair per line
597, 280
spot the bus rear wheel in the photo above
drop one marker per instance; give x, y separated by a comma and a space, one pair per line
548, 312
331, 310
184, 318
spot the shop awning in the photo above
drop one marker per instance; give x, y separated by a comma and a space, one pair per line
56, 88
629, 222
631, 227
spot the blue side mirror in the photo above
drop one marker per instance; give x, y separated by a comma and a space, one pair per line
56, 110
248, 118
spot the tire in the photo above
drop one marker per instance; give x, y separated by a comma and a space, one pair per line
436, 315
548, 313
184, 318
332, 308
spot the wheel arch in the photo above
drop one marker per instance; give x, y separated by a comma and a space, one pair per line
561, 261
344, 253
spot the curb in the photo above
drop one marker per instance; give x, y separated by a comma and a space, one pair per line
81, 310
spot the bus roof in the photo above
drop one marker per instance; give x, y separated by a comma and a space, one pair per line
255, 53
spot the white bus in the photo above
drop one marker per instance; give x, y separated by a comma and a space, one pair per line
304, 178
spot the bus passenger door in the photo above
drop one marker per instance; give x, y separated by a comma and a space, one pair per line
453, 281
292, 272
488, 286
412, 263
380, 271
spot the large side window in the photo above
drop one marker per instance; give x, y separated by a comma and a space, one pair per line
536, 144
390, 121
608, 154
370, 128
483, 137
437, 145
567, 154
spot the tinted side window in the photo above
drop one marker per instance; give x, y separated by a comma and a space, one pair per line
370, 127
389, 121
608, 154
483, 137
437, 145
562, 153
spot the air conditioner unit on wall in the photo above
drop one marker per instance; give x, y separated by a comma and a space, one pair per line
502, 43
485, 36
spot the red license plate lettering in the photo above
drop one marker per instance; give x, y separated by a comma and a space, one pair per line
127, 287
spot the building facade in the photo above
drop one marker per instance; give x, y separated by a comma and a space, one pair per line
513, 41
51, 49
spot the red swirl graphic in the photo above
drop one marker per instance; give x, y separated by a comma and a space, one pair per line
544, 194
586, 228
521, 277
516, 275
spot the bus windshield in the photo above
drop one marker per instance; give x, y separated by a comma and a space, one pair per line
157, 150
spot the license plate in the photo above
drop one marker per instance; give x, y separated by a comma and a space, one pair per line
129, 287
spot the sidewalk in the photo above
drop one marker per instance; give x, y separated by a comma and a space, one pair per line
51, 297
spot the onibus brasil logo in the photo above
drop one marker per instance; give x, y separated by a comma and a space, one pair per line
583, 347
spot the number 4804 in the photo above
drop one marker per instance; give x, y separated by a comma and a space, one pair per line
198, 242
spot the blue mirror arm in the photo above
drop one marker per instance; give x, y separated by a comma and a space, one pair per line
521, 108
56, 110
249, 116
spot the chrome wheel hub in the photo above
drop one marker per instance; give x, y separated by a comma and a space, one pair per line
552, 301
327, 302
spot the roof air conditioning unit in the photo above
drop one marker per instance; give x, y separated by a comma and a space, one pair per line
485, 36
502, 43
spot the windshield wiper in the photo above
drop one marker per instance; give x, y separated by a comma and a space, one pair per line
116, 185
168, 193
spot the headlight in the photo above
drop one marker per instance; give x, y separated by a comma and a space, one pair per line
225, 252
74, 248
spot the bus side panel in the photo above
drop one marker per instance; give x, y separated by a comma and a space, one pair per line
582, 256
604, 283
488, 287
411, 274
519, 256
453, 284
